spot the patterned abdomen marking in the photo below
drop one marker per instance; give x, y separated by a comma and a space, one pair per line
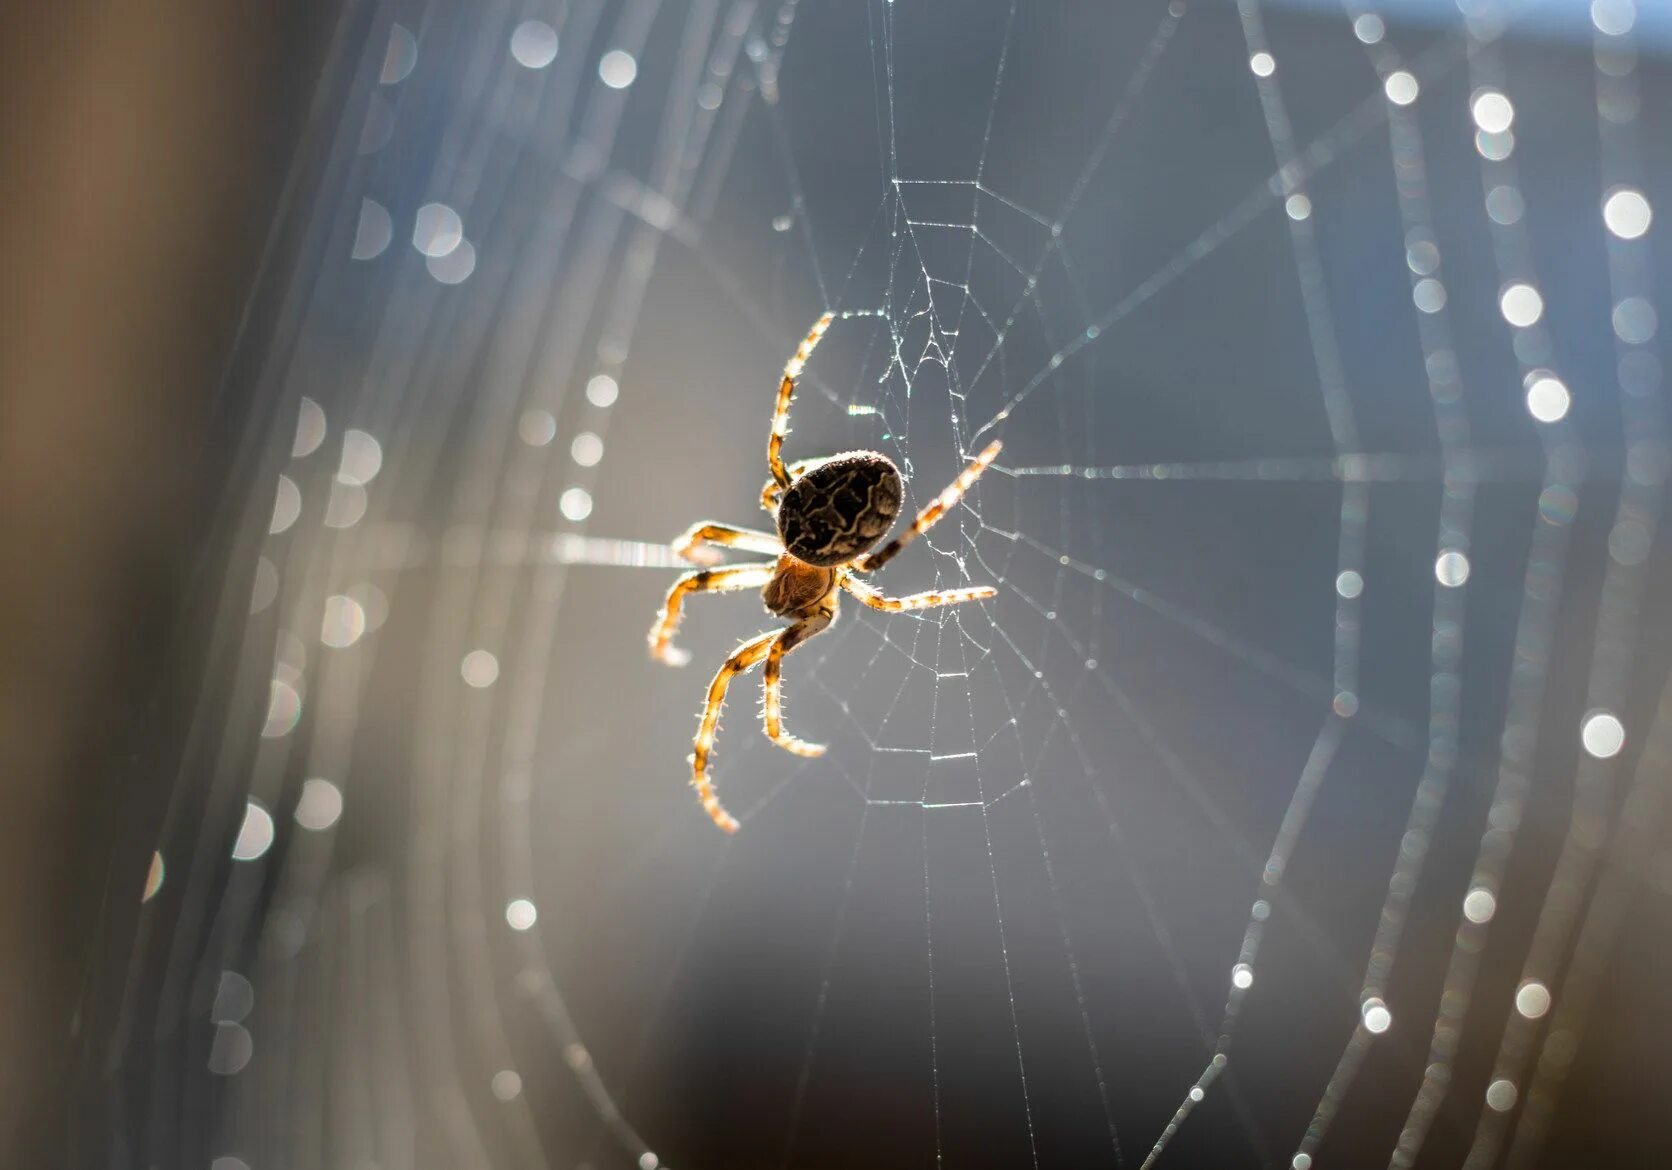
840, 508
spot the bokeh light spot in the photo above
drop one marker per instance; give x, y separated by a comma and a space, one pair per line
534, 44
1627, 213
320, 805
617, 69
479, 668
255, 835
1602, 734
521, 914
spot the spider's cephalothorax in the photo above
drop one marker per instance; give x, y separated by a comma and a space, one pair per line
830, 514
840, 508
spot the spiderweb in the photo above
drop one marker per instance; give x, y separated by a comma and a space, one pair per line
1290, 803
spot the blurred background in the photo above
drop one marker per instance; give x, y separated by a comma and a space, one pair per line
1299, 800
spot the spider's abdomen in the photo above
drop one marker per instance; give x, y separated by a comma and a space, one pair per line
840, 508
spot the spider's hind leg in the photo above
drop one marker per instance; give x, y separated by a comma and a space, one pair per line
741, 659
773, 707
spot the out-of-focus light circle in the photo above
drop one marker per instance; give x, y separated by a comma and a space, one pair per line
346, 504
1303, 1161
479, 668
520, 914
1532, 999
343, 621
1504, 205
1376, 1016
1613, 17
587, 449
1634, 320
229, 1162
374, 232
709, 95
1263, 64
1548, 398
1493, 112
1429, 295
1602, 734
362, 458
1479, 905
1495, 147
1242, 976
537, 427
287, 505
1627, 213
284, 708
1401, 87
575, 503
617, 69
601, 390
265, 590
1370, 30
1451, 568
1521, 305
234, 999
310, 428
456, 266
401, 55
649, 1161
320, 805
1501, 1095
534, 44
1197, 1093
1422, 255
255, 835
154, 877
230, 1050
507, 1084
1297, 206
437, 230
1349, 584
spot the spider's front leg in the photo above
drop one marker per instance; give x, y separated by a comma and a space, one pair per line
786, 390
690, 542
773, 707
727, 580
741, 659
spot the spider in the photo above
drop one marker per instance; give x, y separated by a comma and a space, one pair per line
830, 514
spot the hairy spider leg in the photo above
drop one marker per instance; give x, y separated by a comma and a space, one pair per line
689, 543
741, 659
786, 389
934, 597
938, 507
727, 580
773, 707
774, 489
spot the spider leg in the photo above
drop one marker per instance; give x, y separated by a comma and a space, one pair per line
741, 659
747, 539
877, 600
786, 388
727, 580
773, 489
937, 508
804, 629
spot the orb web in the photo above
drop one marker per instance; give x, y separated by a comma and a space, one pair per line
1204, 839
